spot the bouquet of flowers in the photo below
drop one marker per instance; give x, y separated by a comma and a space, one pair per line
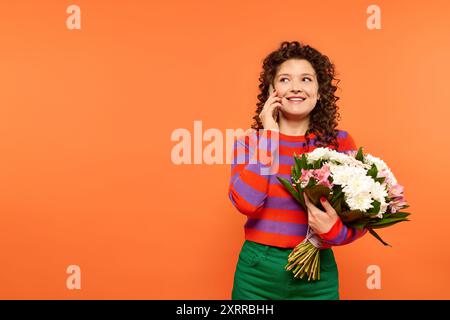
360, 187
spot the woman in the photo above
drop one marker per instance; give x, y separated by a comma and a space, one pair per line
300, 112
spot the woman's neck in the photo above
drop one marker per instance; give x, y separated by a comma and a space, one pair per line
293, 127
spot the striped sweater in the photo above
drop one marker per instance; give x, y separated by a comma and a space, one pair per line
273, 216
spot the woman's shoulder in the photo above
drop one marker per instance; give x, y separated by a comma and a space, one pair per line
345, 139
342, 133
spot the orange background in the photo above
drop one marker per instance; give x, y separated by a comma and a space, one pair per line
86, 119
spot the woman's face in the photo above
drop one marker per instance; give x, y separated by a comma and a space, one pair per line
296, 78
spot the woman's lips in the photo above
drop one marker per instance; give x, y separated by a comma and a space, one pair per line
295, 101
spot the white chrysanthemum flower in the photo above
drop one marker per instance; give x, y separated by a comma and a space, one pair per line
339, 156
359, 201
342, 158
357, 192
318, 153
358, 182
341, 174
378, 192
334, 156
381, 167
377, 161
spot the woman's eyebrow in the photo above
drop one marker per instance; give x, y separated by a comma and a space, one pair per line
302, 74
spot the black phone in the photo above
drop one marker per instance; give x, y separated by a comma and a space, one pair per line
276, 112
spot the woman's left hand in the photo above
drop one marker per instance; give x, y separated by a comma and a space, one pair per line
320, 221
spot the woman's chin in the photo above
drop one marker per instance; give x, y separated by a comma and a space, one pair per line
294, 112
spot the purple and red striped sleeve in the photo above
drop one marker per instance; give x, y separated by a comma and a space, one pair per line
248, 186
340, 234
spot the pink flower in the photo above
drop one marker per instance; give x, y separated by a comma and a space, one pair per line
319, 175
397, 204
322, 174
395, 191
306, 175
385, 173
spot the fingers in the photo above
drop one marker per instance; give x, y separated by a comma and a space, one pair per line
273, 103
309, 207
327, 206
312, 209
312, 219
273, 98
270, 104
270, 111
312, 222
307, 201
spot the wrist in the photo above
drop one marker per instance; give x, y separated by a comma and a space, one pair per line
333, 232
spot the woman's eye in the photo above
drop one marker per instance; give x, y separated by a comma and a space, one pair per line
281, 79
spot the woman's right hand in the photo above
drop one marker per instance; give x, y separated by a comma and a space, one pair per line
269, 112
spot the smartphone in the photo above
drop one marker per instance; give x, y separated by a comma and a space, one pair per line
276, 113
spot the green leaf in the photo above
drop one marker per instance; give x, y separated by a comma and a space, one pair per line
304, 162
337, 205
317, 164
372, 232
294, 174
397, 215
287, 184
359, 155
292, 191
373, 171
311, 183
380, 179
360, 224
376, 207
298, 164
338, 202
337, 192
387, 220
387, 224
297, 171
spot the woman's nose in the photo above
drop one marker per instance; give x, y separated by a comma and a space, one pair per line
296, 89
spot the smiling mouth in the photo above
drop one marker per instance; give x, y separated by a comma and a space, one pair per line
295, 100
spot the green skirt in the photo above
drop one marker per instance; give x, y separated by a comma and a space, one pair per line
261, 274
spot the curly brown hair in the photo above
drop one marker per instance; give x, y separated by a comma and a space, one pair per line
324, 116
